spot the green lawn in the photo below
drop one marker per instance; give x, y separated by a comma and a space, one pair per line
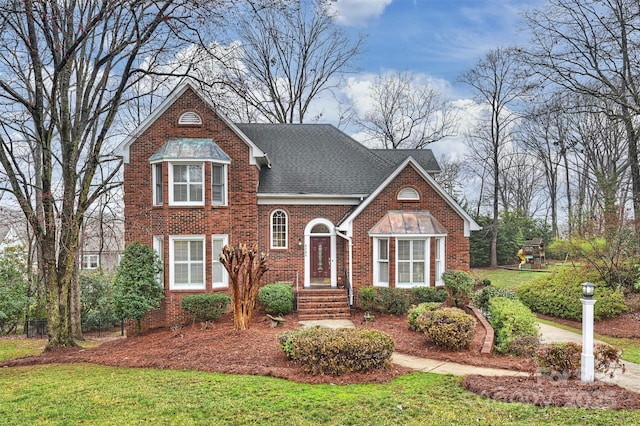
506, 278
99, 395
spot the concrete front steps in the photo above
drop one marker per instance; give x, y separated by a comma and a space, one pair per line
320, 304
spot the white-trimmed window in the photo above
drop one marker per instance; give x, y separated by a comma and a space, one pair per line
187, 262
411, 262
220, 278
158, 195
90, 261
408, 194
278, 229
381, 262
186, 184
439, 260
218, 184
158, 248
189, 118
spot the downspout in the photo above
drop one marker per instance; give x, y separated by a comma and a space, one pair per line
350, 265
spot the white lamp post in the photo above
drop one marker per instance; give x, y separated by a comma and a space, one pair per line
587, 361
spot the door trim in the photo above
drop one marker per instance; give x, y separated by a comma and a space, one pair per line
307, 250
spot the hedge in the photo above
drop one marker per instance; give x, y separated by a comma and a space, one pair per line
558, 294
322, 350
510, 320
205, 307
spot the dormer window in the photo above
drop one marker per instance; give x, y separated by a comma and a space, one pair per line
190, 118
408, 194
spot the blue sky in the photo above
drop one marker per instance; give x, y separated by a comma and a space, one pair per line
440, 38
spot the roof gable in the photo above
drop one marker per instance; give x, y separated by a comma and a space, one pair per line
257, 156
469, 223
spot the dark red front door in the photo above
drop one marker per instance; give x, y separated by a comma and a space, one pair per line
320, 257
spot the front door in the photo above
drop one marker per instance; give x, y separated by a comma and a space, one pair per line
320, 260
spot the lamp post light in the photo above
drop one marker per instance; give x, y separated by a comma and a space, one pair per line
587, 361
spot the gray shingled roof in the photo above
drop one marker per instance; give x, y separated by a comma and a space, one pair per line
320, 159
424, 157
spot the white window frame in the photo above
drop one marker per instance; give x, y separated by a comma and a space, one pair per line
378, 280
154, 178
427, 256
225, 185
215, 260
286, 230
171, 184
189, 286
87, 261
158, 248
439, 260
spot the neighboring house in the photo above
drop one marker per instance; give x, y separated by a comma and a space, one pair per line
9, 237
329, 211
101, 243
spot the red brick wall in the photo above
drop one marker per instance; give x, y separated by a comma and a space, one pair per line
238, 220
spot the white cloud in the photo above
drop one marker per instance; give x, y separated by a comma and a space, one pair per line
357, 13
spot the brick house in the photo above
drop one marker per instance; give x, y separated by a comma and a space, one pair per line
331, 213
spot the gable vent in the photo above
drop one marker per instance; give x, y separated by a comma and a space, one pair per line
189, 118
408, 194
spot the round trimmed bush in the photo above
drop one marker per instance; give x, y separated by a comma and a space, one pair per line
277, 298
322, 350
415, 312
448, 328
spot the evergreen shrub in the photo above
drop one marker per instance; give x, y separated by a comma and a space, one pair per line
510, 320
558, 294
459, 284
205, 307
482, 297
322, 350
277, 298
416, 310
449, 328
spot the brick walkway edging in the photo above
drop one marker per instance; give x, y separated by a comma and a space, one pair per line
487, 346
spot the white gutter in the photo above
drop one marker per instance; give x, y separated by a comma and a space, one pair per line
350, 265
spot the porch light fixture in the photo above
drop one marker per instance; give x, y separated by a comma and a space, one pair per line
299, 242
588, 290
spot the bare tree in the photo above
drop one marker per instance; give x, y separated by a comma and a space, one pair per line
522, 187
590, 47
402, 113
288, 55
499, 84
451, 177
66, 68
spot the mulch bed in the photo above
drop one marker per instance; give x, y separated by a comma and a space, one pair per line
218, 348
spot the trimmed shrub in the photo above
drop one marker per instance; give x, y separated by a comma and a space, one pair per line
367, 297
459, 284
393, 301
428, 294
482, 297
448, 328
559, 360
321, 350
277, 298
558, 294
510, 319
205, 307
525, 346
415, 311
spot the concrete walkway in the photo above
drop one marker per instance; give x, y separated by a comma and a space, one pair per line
630, 379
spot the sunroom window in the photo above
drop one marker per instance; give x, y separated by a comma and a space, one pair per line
381, 260
411, 262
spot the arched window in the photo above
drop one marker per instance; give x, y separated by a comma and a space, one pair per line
278, 229
408, 194
189, 118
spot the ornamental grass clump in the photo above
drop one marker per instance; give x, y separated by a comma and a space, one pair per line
322, 350
449, 328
